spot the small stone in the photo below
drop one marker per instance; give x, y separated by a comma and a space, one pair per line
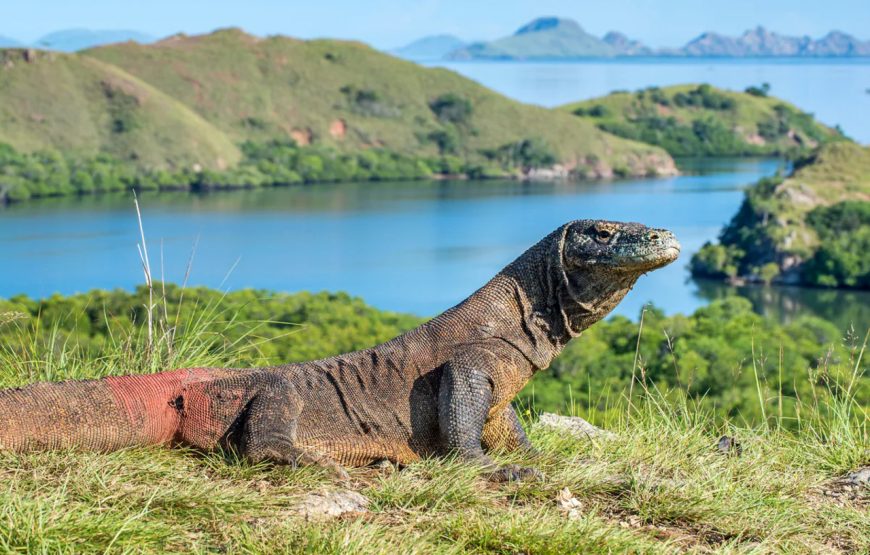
573, 425
569, 504
728, 445
860, 477
326, 505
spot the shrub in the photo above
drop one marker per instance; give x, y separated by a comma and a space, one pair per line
841, 259
758, 91
452, 108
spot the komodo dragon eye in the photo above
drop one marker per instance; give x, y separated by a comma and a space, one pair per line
603, 234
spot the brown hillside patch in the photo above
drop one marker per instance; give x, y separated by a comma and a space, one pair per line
302, 137
338, 129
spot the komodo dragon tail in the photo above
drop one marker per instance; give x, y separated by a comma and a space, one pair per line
94, 415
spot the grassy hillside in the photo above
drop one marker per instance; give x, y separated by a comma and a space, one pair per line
350, 96
811, 228
231, 110
83, 107
701, 120
659, 485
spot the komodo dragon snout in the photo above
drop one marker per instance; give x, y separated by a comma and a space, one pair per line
443, 387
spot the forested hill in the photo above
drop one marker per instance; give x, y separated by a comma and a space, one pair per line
811, 228
192, 101
702, 120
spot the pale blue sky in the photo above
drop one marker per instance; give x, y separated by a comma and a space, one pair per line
388, 23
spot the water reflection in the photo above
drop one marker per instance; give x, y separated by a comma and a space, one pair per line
844, 308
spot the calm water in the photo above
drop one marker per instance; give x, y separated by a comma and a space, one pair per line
418, 247
835, 90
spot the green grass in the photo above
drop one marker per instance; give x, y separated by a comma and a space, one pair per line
659, 486
71, 103
701, 120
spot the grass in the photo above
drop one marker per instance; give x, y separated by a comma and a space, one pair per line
65, 102
659, 486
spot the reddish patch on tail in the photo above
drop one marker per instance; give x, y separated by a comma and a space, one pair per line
152, 401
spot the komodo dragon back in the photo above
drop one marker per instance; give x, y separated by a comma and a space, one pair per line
444, 387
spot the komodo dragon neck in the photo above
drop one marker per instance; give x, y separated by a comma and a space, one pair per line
532, 304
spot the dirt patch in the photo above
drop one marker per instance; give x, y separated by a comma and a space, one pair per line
338, 129
303, 137
852, 489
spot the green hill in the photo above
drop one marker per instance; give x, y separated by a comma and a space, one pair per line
229, 109
81, 106
701, 120
812, 228
350, 96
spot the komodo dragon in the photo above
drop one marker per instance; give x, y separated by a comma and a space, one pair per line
443, 387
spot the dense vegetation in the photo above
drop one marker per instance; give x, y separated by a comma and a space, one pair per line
690, 120
811, 228
185, 112
275, 163
724, 357
658, 486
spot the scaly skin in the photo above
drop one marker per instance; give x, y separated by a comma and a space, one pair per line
443, 387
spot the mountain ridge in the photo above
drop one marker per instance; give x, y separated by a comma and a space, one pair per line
554, 38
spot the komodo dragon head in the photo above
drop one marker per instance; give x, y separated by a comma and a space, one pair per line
576, 275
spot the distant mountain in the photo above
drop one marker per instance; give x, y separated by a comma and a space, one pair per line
553, 37
546, 37
625, 46
761, 42
434, 47
6, 42
72, 40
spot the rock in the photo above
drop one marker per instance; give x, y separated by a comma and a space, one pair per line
860, 477
574, 425
568, 504
326, 505
552, 173
728, 445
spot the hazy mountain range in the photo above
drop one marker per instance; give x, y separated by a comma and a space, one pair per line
72, 40
553, 37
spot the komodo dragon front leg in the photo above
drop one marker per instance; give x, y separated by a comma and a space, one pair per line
503, 431
472, 414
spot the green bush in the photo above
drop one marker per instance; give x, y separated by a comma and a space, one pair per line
527, 154
843, 255
761, 91
452, 108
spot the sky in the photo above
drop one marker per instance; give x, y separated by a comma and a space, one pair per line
391, 23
